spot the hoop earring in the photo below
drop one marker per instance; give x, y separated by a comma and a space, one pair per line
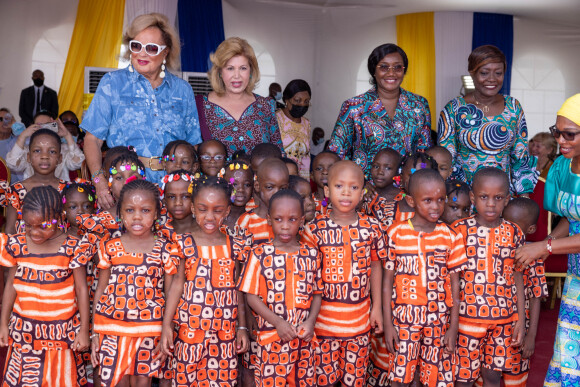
130, 67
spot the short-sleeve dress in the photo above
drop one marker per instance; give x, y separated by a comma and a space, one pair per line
205, 347
256, 125
45, 316
129, 314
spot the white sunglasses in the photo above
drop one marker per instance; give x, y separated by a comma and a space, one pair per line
152, 49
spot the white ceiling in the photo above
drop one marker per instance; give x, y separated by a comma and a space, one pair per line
566, 11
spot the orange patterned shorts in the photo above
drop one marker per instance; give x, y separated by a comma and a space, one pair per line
344, 361
484, 345
286, 364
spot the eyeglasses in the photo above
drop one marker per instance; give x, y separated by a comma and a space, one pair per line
397, 69
70, 122
152, 49
568, 136
209, 158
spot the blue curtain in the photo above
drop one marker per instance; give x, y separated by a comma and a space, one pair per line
201, 29
496, 29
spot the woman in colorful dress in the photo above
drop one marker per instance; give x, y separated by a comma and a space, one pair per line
294, 128
386, 116
486, 128
562, 196
233, 113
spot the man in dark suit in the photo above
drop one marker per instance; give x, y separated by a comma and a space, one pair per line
37, 98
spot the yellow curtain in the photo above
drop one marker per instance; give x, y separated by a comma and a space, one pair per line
96, 41
416, 36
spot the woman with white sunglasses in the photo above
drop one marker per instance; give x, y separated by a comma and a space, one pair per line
143, 105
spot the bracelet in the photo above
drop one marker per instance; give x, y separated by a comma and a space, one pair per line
94, 335
549, 246
97, 173
551, 237
243, 329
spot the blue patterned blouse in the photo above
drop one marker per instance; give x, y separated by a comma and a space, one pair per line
126, 110
363, 127
476, 141
257, 124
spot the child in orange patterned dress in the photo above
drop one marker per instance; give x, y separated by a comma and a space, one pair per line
45, 306
241, 176
203, 299
135, 268
282, 285
44, 155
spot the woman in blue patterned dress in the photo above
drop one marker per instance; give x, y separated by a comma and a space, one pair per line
486, 128
386, 116
562, 196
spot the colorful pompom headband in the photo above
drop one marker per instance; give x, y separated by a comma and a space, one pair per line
125, 167
176, 177
232, 167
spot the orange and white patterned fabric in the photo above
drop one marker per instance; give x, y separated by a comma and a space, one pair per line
346, 256
45, 316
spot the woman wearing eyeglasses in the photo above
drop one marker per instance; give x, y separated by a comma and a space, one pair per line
562, 196
143, 105
294, 127
232, 112
486, 128
385, 116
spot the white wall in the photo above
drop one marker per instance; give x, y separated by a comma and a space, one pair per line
27, 25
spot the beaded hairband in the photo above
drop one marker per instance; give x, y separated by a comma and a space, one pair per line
48, 223
174, 177
167, 158
126, 167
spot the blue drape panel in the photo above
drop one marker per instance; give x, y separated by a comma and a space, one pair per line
496, 29
201, 29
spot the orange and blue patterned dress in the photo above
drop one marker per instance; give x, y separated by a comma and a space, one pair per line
45, 316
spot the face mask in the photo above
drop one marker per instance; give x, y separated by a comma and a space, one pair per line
38, 82
17, 128
298, 111
278, 96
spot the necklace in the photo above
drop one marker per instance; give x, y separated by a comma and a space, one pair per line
485, 107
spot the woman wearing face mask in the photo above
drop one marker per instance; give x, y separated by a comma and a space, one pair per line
294, 128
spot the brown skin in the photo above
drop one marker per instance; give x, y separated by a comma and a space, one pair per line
302, 98
389, 82
564, 244
272, 177
320, 167
345, 191
488, 81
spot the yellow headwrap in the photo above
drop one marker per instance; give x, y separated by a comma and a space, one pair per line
571, 109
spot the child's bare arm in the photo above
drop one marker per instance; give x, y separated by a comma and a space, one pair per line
82, 340
10, 220
451, 334
376, 296
286, 331
104, 275
520, 325
391, 335
306, 329
172, 295
8, 299
242, 332
530, 338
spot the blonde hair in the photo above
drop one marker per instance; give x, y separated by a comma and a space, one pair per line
548, 140
227, 50
168, 35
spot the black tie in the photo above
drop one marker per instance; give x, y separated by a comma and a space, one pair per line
37, 101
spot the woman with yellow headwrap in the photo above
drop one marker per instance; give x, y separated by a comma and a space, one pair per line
562, 196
